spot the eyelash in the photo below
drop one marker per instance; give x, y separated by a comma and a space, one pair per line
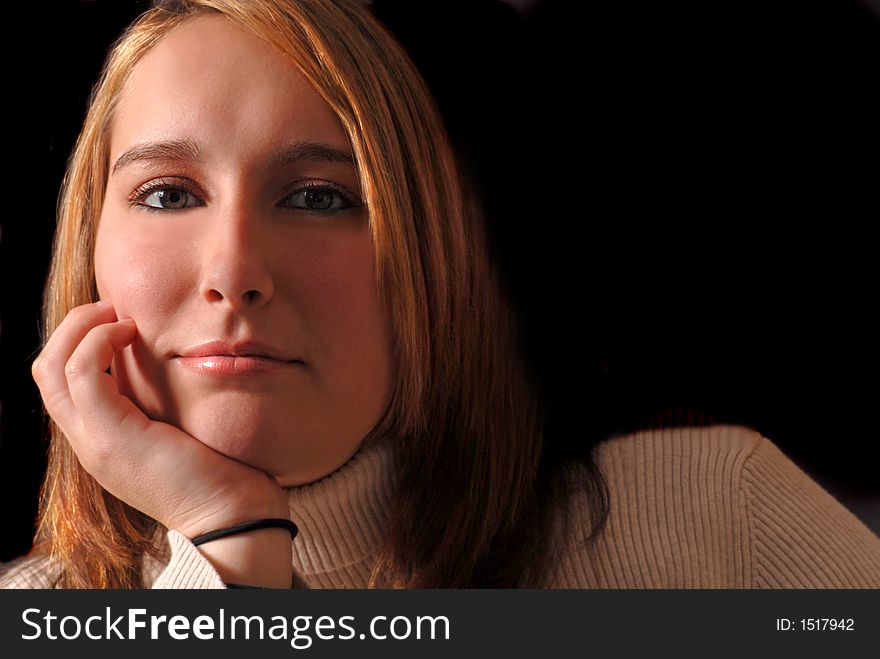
138, 196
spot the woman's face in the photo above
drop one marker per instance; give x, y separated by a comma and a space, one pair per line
209, 233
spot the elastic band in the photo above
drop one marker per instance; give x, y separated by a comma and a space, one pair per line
247, 526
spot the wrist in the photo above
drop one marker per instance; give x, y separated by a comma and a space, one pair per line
262, 557
270, 506
245, 527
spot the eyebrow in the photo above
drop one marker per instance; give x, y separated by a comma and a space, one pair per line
189, 150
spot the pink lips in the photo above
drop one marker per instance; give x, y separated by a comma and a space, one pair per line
226, 359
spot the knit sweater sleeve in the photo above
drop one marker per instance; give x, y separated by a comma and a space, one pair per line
188, 567
30, 571
798, 534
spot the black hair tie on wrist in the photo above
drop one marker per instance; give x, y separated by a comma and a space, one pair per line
244, 527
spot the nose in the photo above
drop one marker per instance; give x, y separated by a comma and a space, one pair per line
236, 268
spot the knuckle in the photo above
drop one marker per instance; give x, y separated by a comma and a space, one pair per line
82, 311
101, 452
38, 368
96, 457
75, 367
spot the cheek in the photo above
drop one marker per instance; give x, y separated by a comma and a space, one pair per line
146, 283
351, 333
343, 305
143, 281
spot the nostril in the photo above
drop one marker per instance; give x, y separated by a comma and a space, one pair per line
214, 295
249, 297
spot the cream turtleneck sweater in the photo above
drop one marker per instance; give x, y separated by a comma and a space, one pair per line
691, 507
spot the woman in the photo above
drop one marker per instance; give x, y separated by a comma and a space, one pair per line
271, 300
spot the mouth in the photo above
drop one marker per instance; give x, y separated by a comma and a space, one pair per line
226, 359
233, 365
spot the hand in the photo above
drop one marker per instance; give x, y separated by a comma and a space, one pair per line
153, 466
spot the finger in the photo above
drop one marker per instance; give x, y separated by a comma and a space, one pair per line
48, 368
72, 330
95, 394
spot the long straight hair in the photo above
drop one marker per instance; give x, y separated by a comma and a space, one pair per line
479, 491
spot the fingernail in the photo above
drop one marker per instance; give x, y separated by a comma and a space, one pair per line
102, 303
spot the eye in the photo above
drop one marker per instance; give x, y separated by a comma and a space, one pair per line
160, 196
321, 198
169, 198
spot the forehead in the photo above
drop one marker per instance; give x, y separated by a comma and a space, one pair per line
212, 82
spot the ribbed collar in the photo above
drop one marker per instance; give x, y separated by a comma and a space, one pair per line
342, 520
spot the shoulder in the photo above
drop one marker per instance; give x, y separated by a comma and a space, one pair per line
799, 535
716, 506
683, 476
34, 570
706, 452
672, 518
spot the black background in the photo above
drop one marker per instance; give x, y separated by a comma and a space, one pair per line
682, 198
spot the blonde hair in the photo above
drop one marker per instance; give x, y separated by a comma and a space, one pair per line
463, 409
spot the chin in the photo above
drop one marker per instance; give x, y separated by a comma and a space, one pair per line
272, 443
242, 434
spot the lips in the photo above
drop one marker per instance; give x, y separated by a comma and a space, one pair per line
227, 359
245, 349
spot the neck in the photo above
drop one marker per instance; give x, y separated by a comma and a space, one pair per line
342, 519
